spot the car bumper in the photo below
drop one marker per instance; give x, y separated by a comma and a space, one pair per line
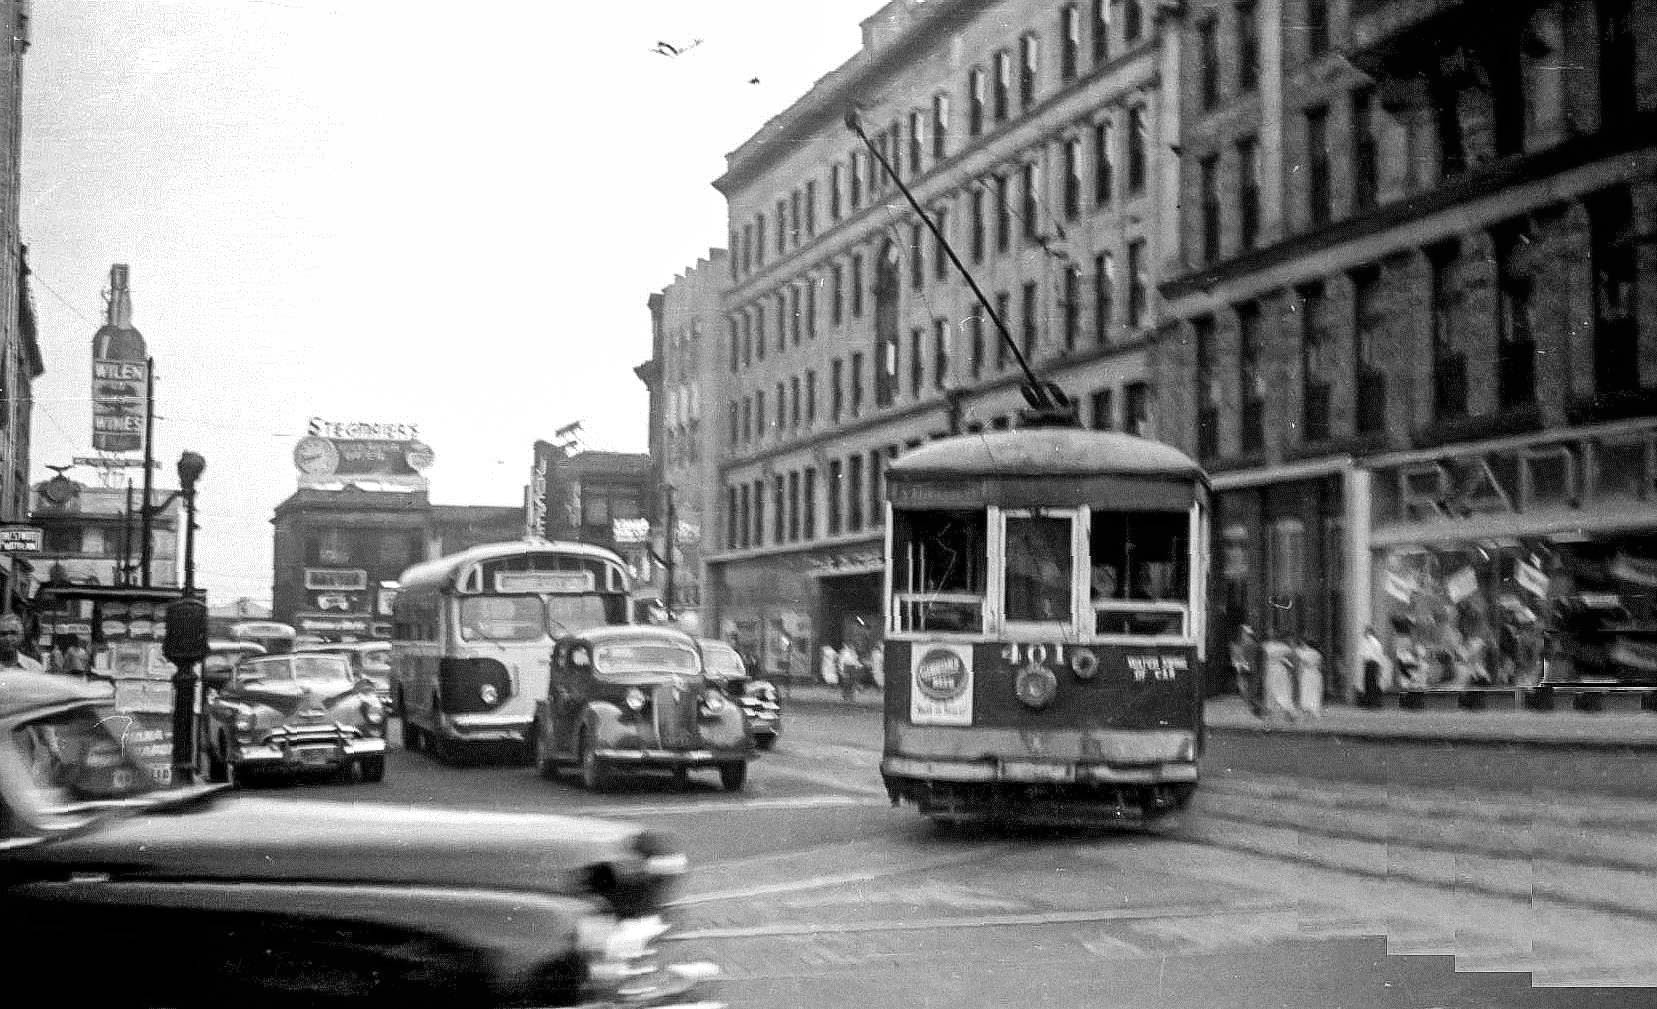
301, 756
671, 758
485, 728
1036, 771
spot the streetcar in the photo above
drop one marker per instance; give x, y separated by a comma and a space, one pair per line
1045, 626
472, 637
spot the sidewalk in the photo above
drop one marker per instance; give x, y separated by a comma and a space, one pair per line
1561, 728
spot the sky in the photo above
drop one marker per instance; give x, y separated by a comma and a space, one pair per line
383, 210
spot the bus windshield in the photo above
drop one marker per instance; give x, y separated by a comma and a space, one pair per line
532, 618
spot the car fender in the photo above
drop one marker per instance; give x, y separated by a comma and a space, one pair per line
728, 729
602, 721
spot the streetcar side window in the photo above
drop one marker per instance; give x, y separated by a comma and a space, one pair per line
939, 564
1039, 566
1140, 572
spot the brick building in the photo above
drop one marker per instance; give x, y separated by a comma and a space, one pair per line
20, 360
684, 445
1413, 325
1031, 132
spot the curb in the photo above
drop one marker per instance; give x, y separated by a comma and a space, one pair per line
1422, 736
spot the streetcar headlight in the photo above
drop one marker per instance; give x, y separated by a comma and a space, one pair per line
1036, 686
488, 694
634, 699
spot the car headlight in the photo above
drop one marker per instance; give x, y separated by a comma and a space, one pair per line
713, 702
372, 714
244, 721
634, 699
488, 694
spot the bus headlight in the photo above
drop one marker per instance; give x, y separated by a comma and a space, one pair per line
634, 699
1036, 686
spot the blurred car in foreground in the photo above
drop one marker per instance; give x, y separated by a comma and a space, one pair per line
634, 698
297, 712
723, 665
369, 660
268, 902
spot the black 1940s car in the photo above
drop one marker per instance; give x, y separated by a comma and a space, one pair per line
757, 698
297, 712
116, 894
635, 698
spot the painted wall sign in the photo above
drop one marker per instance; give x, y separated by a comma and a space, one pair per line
336, 579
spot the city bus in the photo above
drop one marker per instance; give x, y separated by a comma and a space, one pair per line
1045, 627
274, 637
472, 636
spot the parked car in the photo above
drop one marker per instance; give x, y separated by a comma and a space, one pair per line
296, 712
723, 665
108, 879
222, 657
634, 698
369, 659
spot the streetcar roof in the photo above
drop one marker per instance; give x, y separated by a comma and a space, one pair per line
1041, 452
443, 569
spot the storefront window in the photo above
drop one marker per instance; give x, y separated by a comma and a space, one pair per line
938, 570
1140, 572
1038, 568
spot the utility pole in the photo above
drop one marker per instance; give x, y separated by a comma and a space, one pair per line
670, 543
123, 575
145, 516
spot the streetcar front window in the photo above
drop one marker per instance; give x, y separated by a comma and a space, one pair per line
939, 564
1140, 575
1038, 568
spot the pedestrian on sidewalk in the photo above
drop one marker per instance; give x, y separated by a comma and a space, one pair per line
1244, 649
877, 667
1372, 660
828, 665
1309, 676
851, 668
1277, 662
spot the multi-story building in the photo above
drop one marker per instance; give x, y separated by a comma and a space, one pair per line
1033, 135
684, 449
1413, 324
20, 361
94, 535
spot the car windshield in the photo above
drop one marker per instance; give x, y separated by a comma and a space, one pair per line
376, 662
722, 660
74, 757
313, 669
645, 657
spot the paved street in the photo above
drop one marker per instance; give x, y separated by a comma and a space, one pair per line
810, 890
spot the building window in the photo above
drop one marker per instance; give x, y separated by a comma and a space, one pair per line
1104, 169
855, 180
1317, 27
759, 415
759, 513
887, 368
1072, 178
854, 494
837, 392
1315, 370
877, 513
747, 248
835, 187
810, 208
733, 518
1248, 45
1449, 364
1029, 64
857, 383
790, 212
746, 517
1248, 193
1003, 309
795, 322
1208, 389
1139, 284
940, 352
811, 307
1368, 322
1031, 321
836, 488
1613, 249
917, 262
733, 259
1208, 185
976, 200
1003, 215
1101, 31
779, 511
837, 303
794, 402
808, 493
940, 126
1365, 150
1137, 418
759, 239
975, 342
747, 419
794, 506
810, 398
940, 258
1030, 192
1072, 307
1208, 62
917, 368
1138, 149
857, 286
1003, 84
1104, 296
1070, 42
735, 422
1317, 165
759, 332
1251, 379
1617, 64
917, 141
735, 337
1103, 410
1133, 21
975, 101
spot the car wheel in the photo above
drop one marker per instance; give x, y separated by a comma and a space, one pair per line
545, 766
372, 768
765, 742
733, 776
595, 777
411, 732
217, 768
681, 778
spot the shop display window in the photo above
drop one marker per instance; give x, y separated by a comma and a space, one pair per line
939, 570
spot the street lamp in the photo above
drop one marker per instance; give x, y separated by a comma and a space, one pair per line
186, 641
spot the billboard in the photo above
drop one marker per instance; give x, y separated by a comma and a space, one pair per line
118, 390
335, 453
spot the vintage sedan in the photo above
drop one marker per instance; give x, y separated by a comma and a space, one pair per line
128, 895
369, 659
757, 698
634, 698
296, 712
